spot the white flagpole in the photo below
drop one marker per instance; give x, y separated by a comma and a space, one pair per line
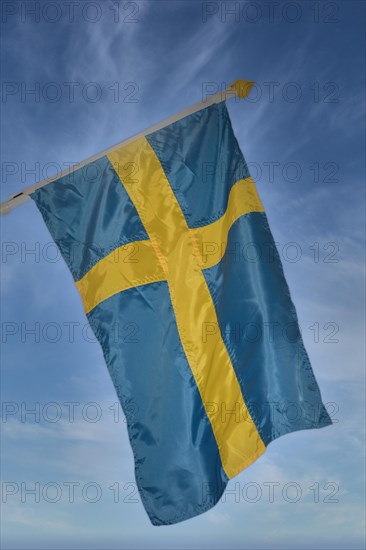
240, 88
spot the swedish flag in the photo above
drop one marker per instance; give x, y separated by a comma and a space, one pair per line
167, 235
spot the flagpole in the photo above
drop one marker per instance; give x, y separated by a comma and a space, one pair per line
240, 88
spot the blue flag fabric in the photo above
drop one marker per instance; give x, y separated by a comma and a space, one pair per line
170, 249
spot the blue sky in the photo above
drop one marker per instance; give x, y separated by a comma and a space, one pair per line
302, 133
